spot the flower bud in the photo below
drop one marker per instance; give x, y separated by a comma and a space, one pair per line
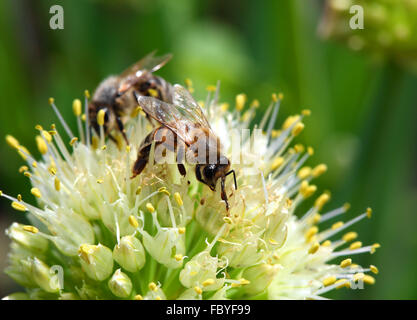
43, 275
120, 284
96, 261
129, 254
29, 240
260, 277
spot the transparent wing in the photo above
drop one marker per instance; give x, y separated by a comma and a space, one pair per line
149, 63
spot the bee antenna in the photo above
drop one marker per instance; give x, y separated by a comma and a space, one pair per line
234, 177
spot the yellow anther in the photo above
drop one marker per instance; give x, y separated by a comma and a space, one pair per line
164, 190
57, 184
255, 104
355, 245
154, 93
201, 103
280, 96
42, 146
319, 170
290, 121
99, 181
272, 241
313, 249
299, 148
52, 171
374, 247
373, 269
152, 286
34, 164
178, 257
304, 172
243, 281
53, 126
297, 129
138, 190
240, 101
369, 212
36, 192
346, 206
341, 283
23, 169
350, 236
178, 199
235, 285
103, 147
329, 281
38, 127
51, 100
76, 107
224, 107
310, 151
275, 133
94, 142
87, 94
27, 174
316, 218
211, 88
19, 197
12, 141
138, 297
311, 232
47, 136
274, 97
158, 298
128, 148
52, 132
100, 117
277, 162
31, 229
135, 112
337, 225
19, 206
306, 112
326, 243
188, 82
321, 201
208, 282
227, 220
133, 222
73, 140
198, 290
150, 207
23, 152
346, 263
358, 276
181, 230
307, 190
369, 279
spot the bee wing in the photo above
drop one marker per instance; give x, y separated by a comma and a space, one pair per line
149, 63
183, 116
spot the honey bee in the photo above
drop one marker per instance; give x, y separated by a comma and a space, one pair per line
114, 94
185, 130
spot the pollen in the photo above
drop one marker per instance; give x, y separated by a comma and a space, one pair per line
153, 93
319, 170
76, 107
31, 229
368, 279
373, 269
310, 151
374, 247
12, 141
100, 117
133, 222
36, 192
57, 184
198, 290
19, 206
329, 281
277, 162
152, 286
307, 190
337, 225
297, 129
240, 101
23, 169
290, 121
304, 172
178, 199
350, 236
369, 212
346, 263
321, 201
208, 282
355, 245
41, 144
73, 141
311, 232
313, 249
150, 207
138, 297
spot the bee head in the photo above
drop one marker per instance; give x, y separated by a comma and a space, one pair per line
210, 173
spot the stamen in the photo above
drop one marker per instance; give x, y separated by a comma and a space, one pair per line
61, 119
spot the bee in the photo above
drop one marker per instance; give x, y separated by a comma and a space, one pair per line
113, 94
185, 130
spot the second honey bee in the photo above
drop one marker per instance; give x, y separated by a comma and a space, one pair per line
114, 94
185, 130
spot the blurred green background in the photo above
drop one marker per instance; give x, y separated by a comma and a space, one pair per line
364, 109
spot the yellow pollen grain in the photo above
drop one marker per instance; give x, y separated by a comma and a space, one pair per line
73, 141
19, 197
138, 297
350, 236
355, 245
51, 100
374, 247
373, 269
306, 112
321, 201
178, 257
164, 190
178, 199
198, 290
326, 243
240, 101
311, 232
150, 207
76, 107
23, 169
329, 281
31, 229
12, 141
181, 230
313, 249
19, 206
133, 222
87, 94
368, 279
152, 286
153, 92
100, 117
208, 282
319, 170
57, 184
41, 144
304, 172
299, 148
297, 129
255, 104
369, 212
35, 192
346, 263
277, 162
275, 133
290, 121
337, 225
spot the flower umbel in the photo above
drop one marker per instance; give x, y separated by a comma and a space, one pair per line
164, 236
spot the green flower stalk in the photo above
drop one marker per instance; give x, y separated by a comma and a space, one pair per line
164, 236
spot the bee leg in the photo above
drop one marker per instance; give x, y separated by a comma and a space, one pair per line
122, 128
181, 169
223, 194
